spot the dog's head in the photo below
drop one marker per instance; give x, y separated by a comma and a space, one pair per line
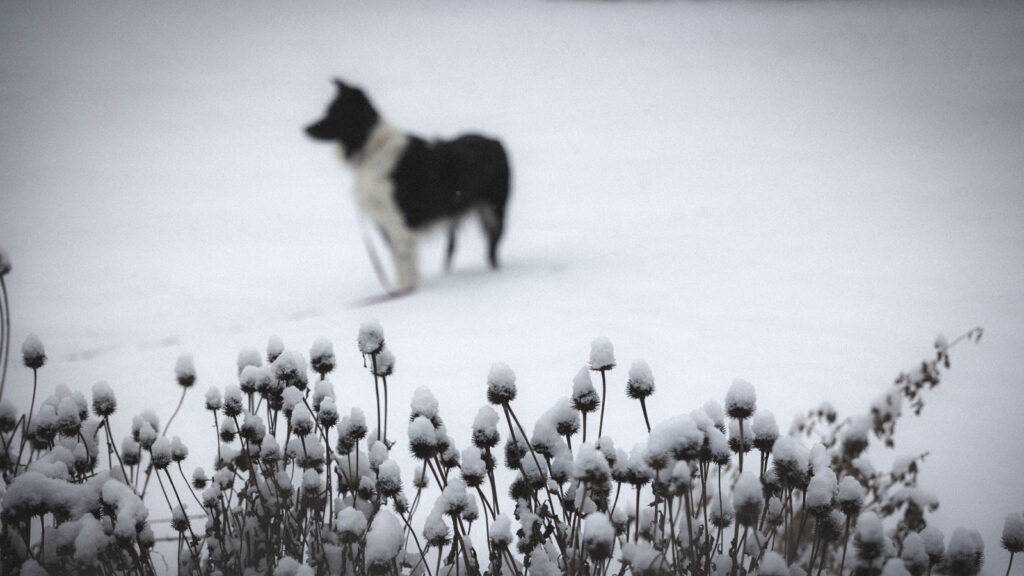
349, 120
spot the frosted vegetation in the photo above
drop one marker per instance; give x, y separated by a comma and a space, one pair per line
302, 484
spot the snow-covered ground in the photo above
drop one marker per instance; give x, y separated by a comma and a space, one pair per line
802, 194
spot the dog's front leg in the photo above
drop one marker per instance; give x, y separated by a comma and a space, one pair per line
404, 254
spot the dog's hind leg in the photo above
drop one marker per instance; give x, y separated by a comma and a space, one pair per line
493, 220
450, 252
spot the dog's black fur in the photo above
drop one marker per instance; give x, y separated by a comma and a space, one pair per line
430, 181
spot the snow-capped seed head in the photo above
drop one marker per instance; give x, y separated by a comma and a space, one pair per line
869, 537
199, 478
290, 369
424, 404
721, 512
895, 567
790, 460
130, 451
740, 400
383, 543
434, 529
820, 494
321, 356
590, 465
8, 416
351, 523
934, 544
228, 431
103, 400
249, 378
766, 431
270, 450
474, 469
676, 438
385, 362
748, 499
598, 536
185, 371
641, 381
514, 452
68, 420
5, 263
160, 453
328, 414
851, 496
584, 395
966, 551
178, 449
602, 354
356, 429
302, 421
914, 555
485, 428
564, 418
371, 337
213, 399
501, 384
500, 534
274, 348
321, 390
734, 438
453, 499
422, 438
773, 565
248, 356
232, 403
388, 479
637, 470
1013, 533
32, 352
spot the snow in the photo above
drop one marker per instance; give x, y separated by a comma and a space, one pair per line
802, 193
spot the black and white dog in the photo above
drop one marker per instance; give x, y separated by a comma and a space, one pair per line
407, 184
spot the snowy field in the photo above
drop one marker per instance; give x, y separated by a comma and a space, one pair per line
801, 194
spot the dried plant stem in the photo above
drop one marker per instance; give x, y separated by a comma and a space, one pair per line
28, 421
846, 536
175, 413
5, 335
643, 405
604, 400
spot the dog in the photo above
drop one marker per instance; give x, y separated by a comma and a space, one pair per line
407, 185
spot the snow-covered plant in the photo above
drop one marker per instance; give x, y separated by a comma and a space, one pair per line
300, 485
